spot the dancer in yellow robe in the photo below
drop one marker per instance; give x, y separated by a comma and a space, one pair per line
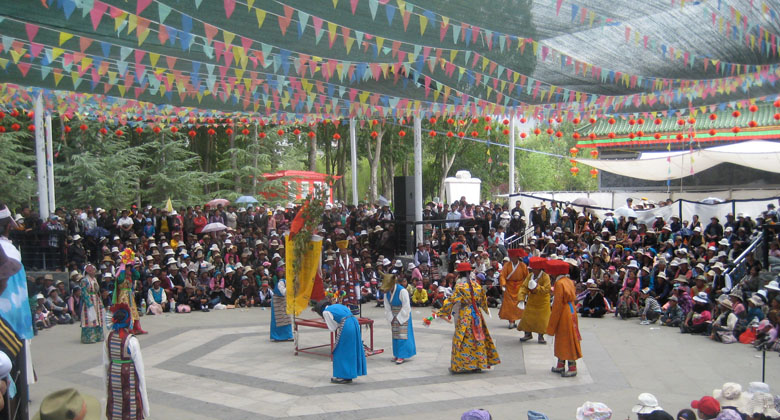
512, 275
534, 296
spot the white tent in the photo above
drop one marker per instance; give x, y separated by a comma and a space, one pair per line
660, 166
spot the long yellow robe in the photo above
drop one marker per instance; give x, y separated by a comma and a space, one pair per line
563, 321
537, 304
509, 310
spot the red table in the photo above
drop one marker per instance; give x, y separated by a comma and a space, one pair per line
320, 323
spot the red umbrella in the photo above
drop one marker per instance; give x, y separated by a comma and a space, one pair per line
218, 201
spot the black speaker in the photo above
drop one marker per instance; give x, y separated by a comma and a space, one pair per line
403, 197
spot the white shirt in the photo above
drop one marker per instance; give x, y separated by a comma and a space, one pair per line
406, 306
134, 350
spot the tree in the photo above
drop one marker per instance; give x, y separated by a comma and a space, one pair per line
17, 162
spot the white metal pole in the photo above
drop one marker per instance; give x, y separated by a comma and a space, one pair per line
40, 160
511, 156
353, 147
50, 162
418, 194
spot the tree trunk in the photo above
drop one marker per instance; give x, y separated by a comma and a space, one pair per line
254, 163
374, 159
313, 154
342, 171
446, 164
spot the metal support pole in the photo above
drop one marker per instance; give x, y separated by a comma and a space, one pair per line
512, 156
40, 160
353, 147
418, 194
50, 163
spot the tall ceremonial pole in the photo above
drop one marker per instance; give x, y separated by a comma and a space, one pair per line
511, 156
353, 147
40, 160
50, 163
418, 194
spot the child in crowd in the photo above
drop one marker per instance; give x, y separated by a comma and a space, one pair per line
651, 310
627, 306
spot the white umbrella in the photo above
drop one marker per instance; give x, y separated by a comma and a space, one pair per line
625, 212
213, 227
585, 201
712, 200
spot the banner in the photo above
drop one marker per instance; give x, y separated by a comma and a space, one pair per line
299, 287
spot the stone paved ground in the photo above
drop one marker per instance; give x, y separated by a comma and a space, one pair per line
221, 365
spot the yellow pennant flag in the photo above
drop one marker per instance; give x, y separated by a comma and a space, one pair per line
299, 287
169, 206
64, 37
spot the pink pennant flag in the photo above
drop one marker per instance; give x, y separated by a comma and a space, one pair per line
558, 7
211, 31
141, 5
354, 4
98, 10
24, 67
230, 6
32, 31
284, 21
35, 49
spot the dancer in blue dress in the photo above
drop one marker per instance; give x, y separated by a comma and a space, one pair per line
281, 324
349, 358
398, 312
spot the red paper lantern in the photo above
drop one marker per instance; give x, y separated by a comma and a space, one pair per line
336, 136
523, 120
139, 130
575, 120
280, 132
210, 120
2, 129
657, 136
432, 133
229, 131
640, 121
691, 120
777, 116
487, 128
67, 129
212, 132
103, 131
592, 136
594, 173
777, 103
752, 124
31, 127
156, 129
296, 132
592, 120
640, 133
450, 134
433, 120
487, 118
576, 136
537, 131
475, 120
244, 120
712, 132
681, 122
631, 121
573, 151
119, 133
506, 131
311, 134
450, 121
506, 121
631, 136
475, 134
573, 162
174, 129
574, 170
401, 133
736, 114
461, 134
83, 127
558, 134
523, 135
374, 134
549, 131
14, 113
262, 135
30, 114
611, 121
2, 115
594, 153
657, 121
753, 108
713, 117
735, 130
192, 133
374, 122
679, 136
611, 135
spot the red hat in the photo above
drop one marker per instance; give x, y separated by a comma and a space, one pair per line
537, 262
464, 266
517, 252
707, 405
557, 267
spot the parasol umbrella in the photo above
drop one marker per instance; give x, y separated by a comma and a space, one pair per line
218, 201
625, 212
585, 201
712, 200
213, 227
98, 232
246, 199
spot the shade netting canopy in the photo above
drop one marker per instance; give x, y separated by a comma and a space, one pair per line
659, 166
351, 58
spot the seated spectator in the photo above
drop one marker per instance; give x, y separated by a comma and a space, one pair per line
627, 306
58, 307
43, 317
698, 320
723, 326
264, 295
673, 315
651, 310
593, 304
75, 303
420, 295
156, 298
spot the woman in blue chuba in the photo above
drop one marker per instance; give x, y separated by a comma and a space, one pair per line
398, 312
349, 358
281, 323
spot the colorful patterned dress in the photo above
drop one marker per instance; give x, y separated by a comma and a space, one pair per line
281, 324
472, 347
125, 383
123, 291
92, 311
345, 276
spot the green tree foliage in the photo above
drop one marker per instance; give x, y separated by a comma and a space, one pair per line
17, 161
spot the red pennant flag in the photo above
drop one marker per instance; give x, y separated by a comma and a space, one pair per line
32, 31
230, 6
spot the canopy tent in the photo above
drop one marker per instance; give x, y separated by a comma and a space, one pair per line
659, 166
295, 59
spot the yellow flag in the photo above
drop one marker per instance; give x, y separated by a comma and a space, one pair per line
168, 206
299, 287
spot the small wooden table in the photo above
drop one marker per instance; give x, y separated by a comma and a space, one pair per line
320, 323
